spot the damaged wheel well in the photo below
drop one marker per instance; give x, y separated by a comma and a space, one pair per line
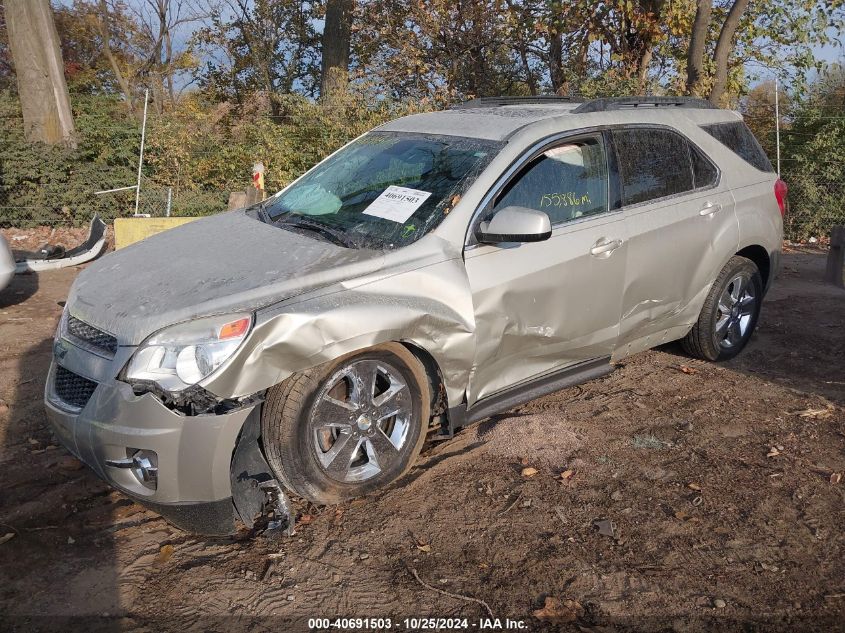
760, 256
439, 399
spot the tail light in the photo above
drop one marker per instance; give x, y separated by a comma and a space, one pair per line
781, 190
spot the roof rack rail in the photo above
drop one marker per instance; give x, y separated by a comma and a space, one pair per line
620, 103
493, 102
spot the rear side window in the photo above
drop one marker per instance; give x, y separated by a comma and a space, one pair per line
653, 163
738, 138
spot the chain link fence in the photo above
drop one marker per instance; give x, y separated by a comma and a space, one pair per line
816, 205
32, 208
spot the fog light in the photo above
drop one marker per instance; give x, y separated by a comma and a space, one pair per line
145, 468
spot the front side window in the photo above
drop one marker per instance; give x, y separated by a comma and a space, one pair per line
653, 163
567, 181
383, 191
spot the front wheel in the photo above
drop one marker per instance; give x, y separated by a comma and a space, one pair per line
345, 428
729, 314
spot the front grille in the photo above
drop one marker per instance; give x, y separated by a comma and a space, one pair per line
72, 388
91, 336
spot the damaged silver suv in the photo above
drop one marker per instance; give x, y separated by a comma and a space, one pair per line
438, 269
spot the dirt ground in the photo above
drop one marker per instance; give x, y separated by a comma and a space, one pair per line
719, 481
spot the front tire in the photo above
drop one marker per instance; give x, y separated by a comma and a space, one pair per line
348, 427
729, 314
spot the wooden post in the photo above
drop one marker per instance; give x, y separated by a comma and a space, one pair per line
836, 257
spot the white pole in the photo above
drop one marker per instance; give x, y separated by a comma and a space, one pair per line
141, 153
777, 123
169, 199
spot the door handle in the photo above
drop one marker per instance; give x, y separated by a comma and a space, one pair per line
605, 247
710, 208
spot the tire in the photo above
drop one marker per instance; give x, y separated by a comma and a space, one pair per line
315, 420
729, 314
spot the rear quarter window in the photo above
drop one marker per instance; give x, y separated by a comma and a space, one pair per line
736, 136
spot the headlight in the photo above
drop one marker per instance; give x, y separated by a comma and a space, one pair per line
183, 355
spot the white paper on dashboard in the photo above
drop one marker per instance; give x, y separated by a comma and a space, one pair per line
397, 203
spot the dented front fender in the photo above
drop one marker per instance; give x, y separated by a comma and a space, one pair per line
425, 301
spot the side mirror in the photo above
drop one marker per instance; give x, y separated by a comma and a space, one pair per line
515, 224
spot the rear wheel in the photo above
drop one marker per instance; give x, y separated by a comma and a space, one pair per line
348, 427
729, 314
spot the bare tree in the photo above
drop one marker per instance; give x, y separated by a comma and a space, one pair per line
39, 70
156, 21
104, 25
336, 42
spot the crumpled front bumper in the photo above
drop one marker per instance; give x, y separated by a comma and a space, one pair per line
193, 489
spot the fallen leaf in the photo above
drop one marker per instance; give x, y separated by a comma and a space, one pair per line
559, 612
165, 553
687, 370
773, 452
305, 519
567, 475
424, 548
529, 472
7, 537
70, 463
835, 478
814, 413
693, 486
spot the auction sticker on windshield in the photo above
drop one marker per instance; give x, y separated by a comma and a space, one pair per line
397, 203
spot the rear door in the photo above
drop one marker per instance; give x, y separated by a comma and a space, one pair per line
545, 305
681, 226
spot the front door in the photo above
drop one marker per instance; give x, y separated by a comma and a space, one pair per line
542, 306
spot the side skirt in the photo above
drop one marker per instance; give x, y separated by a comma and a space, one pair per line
532, 389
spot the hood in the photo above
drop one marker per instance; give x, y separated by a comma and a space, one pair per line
224, 263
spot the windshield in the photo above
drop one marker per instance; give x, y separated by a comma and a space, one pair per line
383, 191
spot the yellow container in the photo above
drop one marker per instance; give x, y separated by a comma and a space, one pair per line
130, 230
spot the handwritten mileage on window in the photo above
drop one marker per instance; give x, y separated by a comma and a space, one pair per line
397, 203
565, 199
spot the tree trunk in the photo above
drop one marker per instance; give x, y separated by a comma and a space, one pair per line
336, 43
724, 47
698, 41
39, 70
556, 72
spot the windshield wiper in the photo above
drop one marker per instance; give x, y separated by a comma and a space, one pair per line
333, 235
261, 211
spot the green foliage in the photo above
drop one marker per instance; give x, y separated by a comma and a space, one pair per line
41, 184
814, 152
199, 149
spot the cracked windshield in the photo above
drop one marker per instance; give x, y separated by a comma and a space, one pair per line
383, 191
